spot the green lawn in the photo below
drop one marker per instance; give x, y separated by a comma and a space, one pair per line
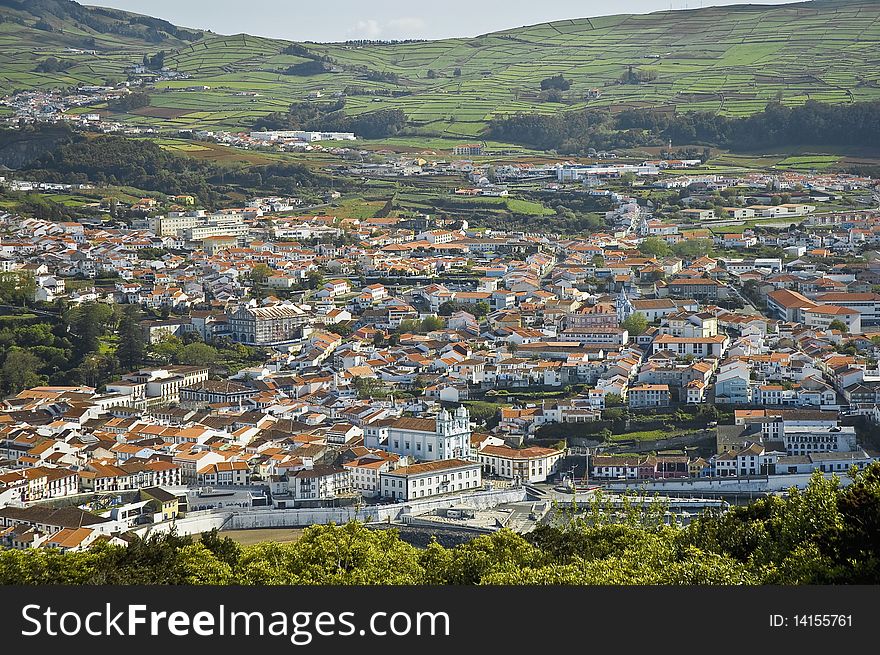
645, 435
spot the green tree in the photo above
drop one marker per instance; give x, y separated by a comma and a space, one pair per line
370, 388
613, 400
480, 309
557, 82
87, 323
168, 350
131, 349
314, 280
693, 248
635, 324
827, 533
655, 247
260, 273
431, 323
837, 324
17, 287
198, 354
19, 371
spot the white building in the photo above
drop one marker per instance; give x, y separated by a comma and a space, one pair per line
366, 471
299, 135
806, 440
320, 482
534, 464
431, 479
445, 437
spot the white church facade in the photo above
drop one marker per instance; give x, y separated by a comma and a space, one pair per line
447, 436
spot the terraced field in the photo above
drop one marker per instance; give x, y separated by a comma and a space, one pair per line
731, 60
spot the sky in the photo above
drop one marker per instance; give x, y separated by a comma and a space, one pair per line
340, 20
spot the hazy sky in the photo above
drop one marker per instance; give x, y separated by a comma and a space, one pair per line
339, 20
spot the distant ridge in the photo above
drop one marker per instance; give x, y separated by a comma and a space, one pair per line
732, 59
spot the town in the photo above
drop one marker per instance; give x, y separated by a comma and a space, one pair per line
451, 290
298, 368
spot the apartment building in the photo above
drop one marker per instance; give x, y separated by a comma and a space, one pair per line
431, 479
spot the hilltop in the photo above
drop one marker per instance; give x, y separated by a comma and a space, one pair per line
730, 60
93, 44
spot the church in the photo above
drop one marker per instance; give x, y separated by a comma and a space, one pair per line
445, 437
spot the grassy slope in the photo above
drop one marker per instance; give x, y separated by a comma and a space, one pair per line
727, 59
23, 47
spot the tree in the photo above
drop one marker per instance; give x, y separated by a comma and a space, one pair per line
131, 101
87, 323
260, 273
655, 247
825, 534
431, 323
432, 74
369, 388
480, 309
168, 350
131, 349
198, 354
635, 324
17, 287
557, 82
314, 280
456, 72
258, 276
693, 248
19, 371
552, 95
837, 324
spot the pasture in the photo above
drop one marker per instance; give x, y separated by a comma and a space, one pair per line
731, 60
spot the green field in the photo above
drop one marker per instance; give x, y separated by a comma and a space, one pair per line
731, 60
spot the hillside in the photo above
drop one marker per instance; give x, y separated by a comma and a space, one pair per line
97, 42
731, 60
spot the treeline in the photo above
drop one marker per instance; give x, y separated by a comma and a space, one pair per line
159, 26
19, 147
127, 162
563, 131
812, 123
823, 535
92, 343
331, 117
141, 163
308, 68
355, 90
54, 65
63, 351
298, 50
134, 100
